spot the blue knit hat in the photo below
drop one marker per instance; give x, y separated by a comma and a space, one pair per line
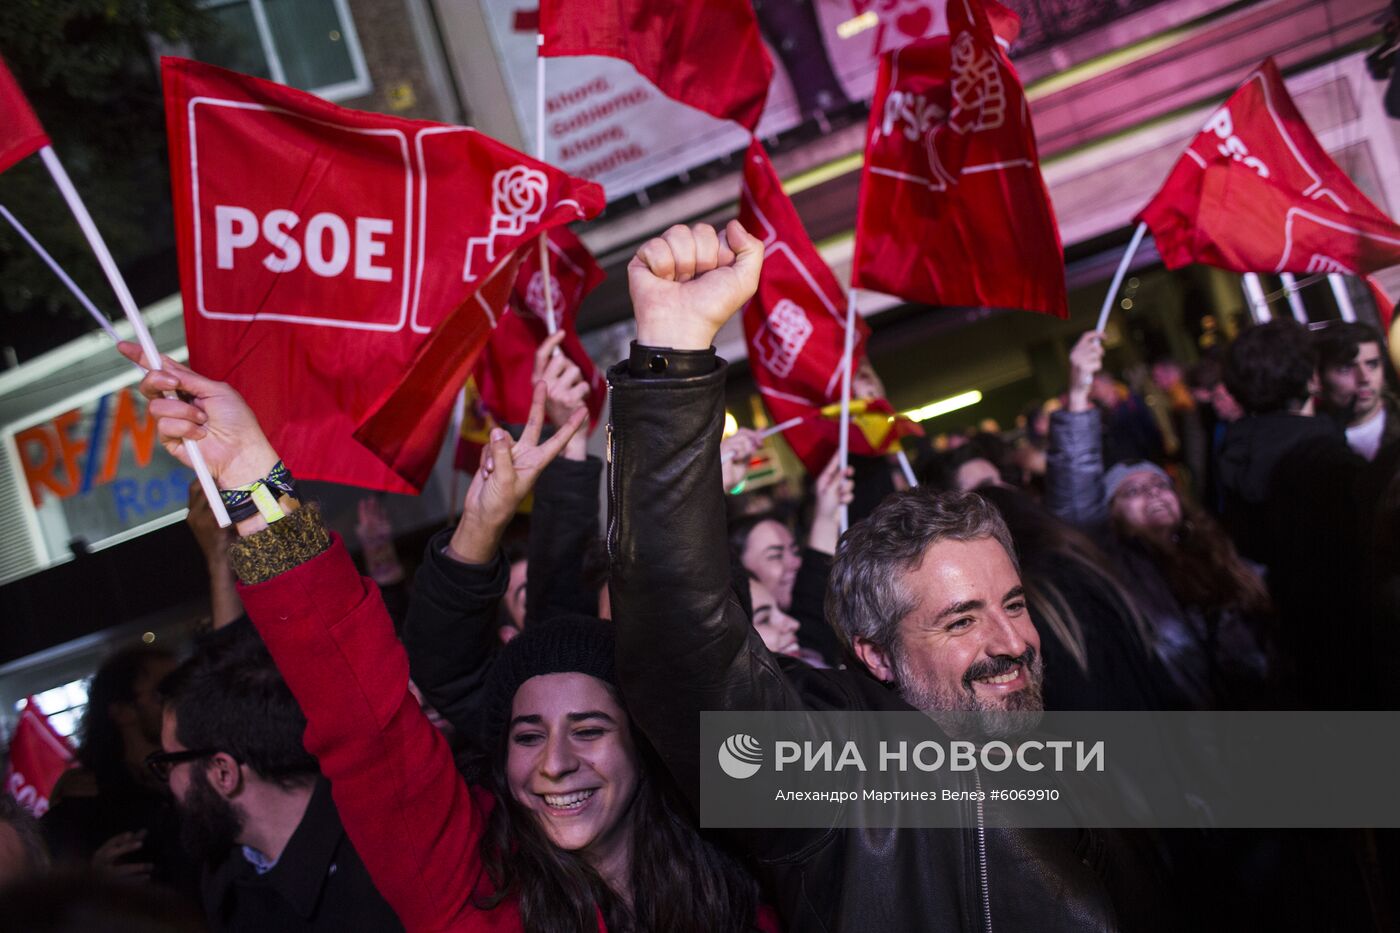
1119, 472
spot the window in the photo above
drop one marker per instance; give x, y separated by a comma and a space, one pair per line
307, 44
63, 705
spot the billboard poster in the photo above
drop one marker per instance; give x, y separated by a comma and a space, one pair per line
97, 471
607, 123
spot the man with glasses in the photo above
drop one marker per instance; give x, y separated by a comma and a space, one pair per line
254, 809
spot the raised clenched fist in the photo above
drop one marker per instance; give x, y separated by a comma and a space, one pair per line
689, 281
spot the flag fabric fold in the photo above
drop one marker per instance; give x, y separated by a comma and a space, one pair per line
709, 55
795, 328
953, 210
1256, 192
21, 134
341, 269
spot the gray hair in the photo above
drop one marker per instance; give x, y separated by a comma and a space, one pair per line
866, 596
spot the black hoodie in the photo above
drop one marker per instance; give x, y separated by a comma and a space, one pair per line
1292, 502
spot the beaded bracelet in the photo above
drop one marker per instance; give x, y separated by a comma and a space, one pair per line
260, 496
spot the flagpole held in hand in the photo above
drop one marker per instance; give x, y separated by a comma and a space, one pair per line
143, 336
1118, 276
843, 449
549, 324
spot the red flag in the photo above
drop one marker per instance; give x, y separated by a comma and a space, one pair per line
38, 757
953, 210
796, 323
1256, 192
504, 371
321, 247
20, 132
709, 55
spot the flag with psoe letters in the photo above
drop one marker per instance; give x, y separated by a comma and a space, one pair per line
38, 757
1256, 192
953, 210
342, 269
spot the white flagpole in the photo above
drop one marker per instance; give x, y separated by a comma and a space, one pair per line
843, 448
1118, 277
780, 428
143, 336
904, 466
1258, 301
63, 277
1295, 300
1343, 297
549, 323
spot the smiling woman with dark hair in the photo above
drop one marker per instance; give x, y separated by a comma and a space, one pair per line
1203, 603
574, 829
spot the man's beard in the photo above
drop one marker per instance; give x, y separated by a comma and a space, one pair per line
209, 826
963, 713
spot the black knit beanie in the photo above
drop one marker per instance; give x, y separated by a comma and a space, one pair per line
568, 644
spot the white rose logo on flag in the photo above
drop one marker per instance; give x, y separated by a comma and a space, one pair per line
534, 297
979, 105
782, 337
518, 198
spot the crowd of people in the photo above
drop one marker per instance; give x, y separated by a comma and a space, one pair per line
509, 738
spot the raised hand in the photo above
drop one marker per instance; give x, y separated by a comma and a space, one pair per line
507, 474
565, 391
833, 491
689, 281
735, 452
1085, 360
212, 413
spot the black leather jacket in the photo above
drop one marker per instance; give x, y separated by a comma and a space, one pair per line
685, 645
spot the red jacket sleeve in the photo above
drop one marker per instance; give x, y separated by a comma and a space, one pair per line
412, 818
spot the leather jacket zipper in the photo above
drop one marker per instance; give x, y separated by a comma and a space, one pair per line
612, 481
982, 854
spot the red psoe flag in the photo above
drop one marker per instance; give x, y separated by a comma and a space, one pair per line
795, 325
708, 54
323, 249
953, 209
1256, 192
20, 131
503, 375
38, 757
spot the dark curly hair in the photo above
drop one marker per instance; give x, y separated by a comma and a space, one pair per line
1268, 367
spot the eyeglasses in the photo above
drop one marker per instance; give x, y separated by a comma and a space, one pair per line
162, 763
1138, 490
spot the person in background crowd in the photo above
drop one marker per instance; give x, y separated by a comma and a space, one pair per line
255, 812
1217, 409
578, 834
796, 577
23, 854
925, 591
1351, 372
1206, 608
1130, 431
84, 902
1183, 418
1294, 502
110, 812
213, 541
375, 533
